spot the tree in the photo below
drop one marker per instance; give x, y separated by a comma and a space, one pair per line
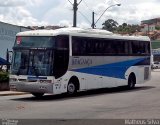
110, 25
124, 25
157, 27
124, 28
128, 29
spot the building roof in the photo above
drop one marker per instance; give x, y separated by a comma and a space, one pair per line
14, 25
150, 21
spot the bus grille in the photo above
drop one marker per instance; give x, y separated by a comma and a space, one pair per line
26, 80
146, 73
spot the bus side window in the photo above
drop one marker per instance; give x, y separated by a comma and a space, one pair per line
61, 56
148, 47
135, 47
62, 42
83, 46
108, 48
130, 47
79, 46
126, 47
75, 46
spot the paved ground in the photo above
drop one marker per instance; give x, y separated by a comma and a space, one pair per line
115, 103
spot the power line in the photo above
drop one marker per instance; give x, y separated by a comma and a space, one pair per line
85, 3
79, 2
84, 17
70, 2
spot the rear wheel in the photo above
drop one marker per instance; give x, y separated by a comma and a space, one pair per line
131, 82
38, 95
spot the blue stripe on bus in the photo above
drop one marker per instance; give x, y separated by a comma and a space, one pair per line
116, 70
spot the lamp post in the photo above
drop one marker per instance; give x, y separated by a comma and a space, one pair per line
7, 59
93, 13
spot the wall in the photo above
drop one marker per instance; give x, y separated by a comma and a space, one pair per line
151, 28
7, 37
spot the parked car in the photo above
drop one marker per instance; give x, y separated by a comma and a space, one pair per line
155, 65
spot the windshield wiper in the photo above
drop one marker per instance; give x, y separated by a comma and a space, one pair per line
18, 72
35, 70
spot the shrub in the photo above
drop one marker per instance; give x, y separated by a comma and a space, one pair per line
4, 77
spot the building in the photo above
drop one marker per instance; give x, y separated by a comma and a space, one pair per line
7, 37
150, 25
44, 27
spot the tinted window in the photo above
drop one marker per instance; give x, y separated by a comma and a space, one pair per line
61, 56
140, 47
62, 42
95, 46
83, 46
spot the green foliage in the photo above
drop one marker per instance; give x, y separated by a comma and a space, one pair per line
157, 27
155, 44
128, 29
110, 25
4, 77
125, 28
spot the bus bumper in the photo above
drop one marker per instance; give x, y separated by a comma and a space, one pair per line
32, 87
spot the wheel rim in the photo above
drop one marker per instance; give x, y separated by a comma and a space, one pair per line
71, 88
131, 83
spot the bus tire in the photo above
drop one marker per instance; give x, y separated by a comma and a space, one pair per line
38, 95
131, 81
71, 88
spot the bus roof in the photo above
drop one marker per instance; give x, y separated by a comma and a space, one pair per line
81, 32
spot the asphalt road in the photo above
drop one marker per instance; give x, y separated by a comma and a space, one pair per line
117, 103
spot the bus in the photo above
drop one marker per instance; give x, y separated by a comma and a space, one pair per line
69, 60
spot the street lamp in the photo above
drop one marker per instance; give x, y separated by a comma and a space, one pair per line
7, 58
94, 23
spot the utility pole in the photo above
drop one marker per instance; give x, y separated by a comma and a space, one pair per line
8, 59
93, 24
75, 8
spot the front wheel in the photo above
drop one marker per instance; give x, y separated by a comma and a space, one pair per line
38, 95
71, 88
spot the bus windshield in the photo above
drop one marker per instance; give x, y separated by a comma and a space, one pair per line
33, 55
33, 62
40, 55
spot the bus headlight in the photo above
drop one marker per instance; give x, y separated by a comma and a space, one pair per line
12, 79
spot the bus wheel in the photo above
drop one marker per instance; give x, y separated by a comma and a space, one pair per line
38, 95
131, 81
71, 88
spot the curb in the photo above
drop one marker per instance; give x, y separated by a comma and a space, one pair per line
13, 94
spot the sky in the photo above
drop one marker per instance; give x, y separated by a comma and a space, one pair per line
60, 12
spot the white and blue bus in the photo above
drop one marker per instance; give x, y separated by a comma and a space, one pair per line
74, 59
